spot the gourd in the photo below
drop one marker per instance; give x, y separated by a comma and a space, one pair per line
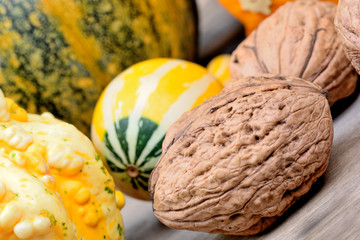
53, 184
219, 67
135, 110
250, 13
58, 55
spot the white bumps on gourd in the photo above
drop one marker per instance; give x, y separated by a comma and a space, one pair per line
37, 226
9, 216
16, 137
47, 115
41, 224
62, 157
23, 229
4, 113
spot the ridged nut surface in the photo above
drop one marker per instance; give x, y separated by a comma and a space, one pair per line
236, 162
298, 40
347, 22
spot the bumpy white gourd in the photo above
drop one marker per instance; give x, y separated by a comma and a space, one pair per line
53, 184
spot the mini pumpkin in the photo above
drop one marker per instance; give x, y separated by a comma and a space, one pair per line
250, 13
135, 110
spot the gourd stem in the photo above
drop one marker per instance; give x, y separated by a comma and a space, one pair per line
132, 171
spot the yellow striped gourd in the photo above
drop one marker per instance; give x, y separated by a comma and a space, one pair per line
135, 110
219, 67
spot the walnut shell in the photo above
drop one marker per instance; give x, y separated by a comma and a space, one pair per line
298, 40
347, 22
235, 163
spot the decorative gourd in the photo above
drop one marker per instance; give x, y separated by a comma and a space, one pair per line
135, 110
53, 184
58, 55
250, 13
219, 67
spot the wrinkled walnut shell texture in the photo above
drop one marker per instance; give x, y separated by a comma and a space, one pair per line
298, 40
239, 160
347, 22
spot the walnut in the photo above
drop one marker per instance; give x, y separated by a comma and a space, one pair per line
347, 22
236, 162
298, 40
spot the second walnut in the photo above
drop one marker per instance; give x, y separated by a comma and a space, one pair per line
298, 40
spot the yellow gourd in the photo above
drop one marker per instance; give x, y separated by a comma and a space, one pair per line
135, 110
53, 184
219, 67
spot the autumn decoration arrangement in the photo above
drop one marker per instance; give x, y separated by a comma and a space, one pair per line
225, 148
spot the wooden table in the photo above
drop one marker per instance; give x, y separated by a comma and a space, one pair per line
330, 211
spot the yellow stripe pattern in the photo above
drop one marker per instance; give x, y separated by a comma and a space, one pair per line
177, 77
219, 67
160, 90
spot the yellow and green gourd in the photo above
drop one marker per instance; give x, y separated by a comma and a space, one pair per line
135, 110
58, 55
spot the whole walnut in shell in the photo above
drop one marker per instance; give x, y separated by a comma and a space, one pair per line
236, 162
347, 22
298, 40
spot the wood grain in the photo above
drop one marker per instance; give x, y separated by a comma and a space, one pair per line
331, 210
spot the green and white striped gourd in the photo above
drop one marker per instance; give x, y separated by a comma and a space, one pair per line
135, 110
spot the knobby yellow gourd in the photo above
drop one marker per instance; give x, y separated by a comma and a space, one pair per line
53, 184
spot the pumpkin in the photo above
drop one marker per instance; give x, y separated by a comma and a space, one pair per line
135, 110
219, 67
53, 184
250, 13
58, 55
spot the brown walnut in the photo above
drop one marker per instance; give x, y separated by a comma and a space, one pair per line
236, 162
347, 22
298, 40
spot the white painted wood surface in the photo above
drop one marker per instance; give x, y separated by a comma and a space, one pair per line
330, 211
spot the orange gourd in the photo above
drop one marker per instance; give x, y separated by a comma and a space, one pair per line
250, 13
